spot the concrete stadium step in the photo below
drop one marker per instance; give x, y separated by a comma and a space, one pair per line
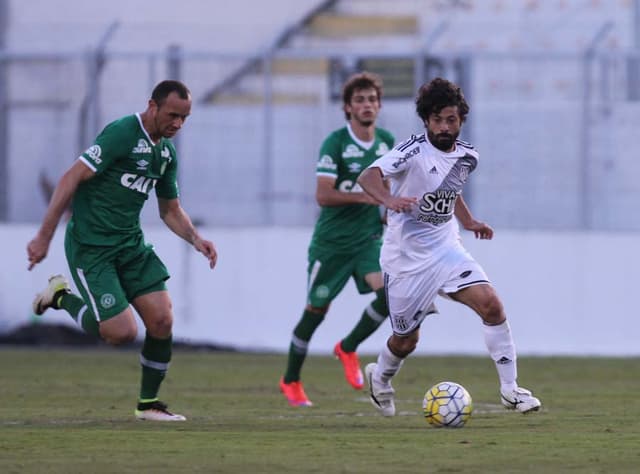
289, 88
333, 25
299, 66
253, 98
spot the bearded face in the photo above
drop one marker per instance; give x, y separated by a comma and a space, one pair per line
443, 128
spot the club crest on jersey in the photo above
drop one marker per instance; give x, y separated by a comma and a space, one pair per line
464, 173
142, 147
401, 323
107, 300
382, 149
352, 151
165, 153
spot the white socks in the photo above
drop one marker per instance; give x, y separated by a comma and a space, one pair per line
503, 352
388, 365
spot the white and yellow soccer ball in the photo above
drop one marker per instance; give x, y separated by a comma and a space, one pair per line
447, 404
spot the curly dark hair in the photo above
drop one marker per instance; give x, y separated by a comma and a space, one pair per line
438, 94
361, 80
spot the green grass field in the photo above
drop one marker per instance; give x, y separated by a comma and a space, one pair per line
67, 411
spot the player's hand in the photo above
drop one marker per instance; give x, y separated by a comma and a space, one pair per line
400, 204
206, 248
481, 230
37, 250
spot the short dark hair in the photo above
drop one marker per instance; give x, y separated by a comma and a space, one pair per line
438, 94
164, 88
361, 80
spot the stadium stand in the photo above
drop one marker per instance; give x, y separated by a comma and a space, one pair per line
544, 77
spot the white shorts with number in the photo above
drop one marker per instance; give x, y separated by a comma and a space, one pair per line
411, 297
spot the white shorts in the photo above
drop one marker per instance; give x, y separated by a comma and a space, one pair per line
411, 297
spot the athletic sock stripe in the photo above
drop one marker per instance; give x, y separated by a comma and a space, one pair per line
164, 366
148, 400
299, 344
373, 314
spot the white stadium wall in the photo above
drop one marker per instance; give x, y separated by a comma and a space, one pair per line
565, 293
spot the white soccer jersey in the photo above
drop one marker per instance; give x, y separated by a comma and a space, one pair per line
415, 240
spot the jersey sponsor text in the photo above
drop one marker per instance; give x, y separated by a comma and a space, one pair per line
134, 182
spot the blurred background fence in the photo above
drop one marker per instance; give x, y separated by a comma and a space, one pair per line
554, 91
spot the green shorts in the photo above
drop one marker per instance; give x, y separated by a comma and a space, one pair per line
108, 278
328, 272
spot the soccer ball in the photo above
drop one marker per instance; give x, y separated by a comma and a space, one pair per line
447, 404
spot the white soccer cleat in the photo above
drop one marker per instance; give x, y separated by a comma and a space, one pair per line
520, 399
381, 396
57, 285
156, 411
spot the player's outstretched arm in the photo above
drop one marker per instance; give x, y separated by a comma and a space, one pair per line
175, 217
38, 247
328, 195
373, 184
481, 230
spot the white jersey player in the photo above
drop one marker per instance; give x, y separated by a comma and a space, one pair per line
422, 255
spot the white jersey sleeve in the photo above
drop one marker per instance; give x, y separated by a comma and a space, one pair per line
397, 161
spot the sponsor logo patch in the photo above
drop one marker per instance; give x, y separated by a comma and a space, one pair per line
407, 155
326, 163
94, 152
142, 147
352, 151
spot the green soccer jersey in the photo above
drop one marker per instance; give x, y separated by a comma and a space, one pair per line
342, 156
128, 166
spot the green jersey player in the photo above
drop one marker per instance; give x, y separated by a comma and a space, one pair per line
111, 264
347, 237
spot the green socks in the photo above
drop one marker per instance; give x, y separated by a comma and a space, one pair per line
370, 320
80, 312
154, 359
300, 343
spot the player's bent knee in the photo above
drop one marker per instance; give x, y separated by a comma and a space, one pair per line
493, 311
119, 336
120, 329
160, 326
402, 346
319, 310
